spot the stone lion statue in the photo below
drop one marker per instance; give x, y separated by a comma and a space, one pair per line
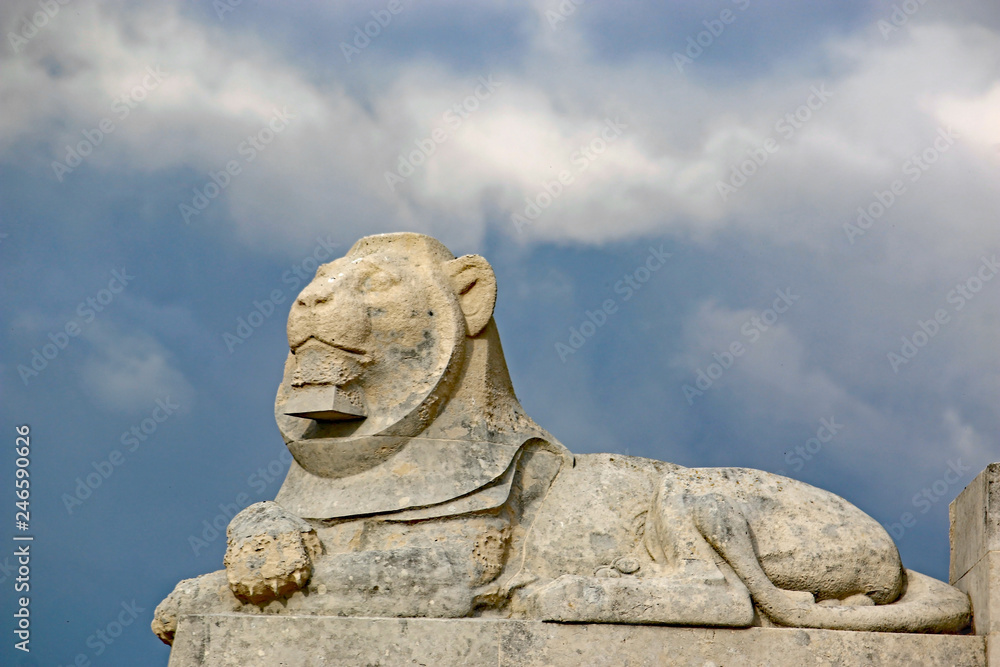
420, 488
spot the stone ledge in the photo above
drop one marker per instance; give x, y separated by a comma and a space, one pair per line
976, 583
240, 640
975, 522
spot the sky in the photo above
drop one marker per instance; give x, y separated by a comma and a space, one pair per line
728, 233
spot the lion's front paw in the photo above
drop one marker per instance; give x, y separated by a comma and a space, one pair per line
165, 617
164, 623
269, 553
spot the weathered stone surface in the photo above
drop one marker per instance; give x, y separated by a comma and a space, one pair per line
269, 553
239, 640
975, 554
624, 599
975, 522
420, 488
209, 593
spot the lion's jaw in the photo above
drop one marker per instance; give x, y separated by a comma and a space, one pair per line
321, 364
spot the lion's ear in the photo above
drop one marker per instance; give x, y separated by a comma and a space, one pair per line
475, 285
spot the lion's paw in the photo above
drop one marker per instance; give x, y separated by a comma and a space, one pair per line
799, 599
269, 553
201, 595
164, 623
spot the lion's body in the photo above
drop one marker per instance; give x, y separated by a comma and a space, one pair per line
434, 494
806, 539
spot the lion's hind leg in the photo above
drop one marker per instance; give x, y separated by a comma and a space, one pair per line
927, 605
724, 527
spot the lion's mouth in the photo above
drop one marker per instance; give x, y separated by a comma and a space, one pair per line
320, 363
331, 344
324, 403
318, 382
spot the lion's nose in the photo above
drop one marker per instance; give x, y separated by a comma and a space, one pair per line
336, 316
313, 295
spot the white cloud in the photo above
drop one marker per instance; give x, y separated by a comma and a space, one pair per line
129, 372
976, 117
659, 176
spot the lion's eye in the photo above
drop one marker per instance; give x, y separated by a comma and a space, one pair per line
378, 280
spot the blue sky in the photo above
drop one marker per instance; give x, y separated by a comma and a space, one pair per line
838, 163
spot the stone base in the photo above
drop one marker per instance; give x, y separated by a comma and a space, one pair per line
239, 640
975, 553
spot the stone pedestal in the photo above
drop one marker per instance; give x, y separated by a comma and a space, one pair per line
244, 640
975, 554
239, 640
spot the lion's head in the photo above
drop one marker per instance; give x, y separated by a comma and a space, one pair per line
393, 358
